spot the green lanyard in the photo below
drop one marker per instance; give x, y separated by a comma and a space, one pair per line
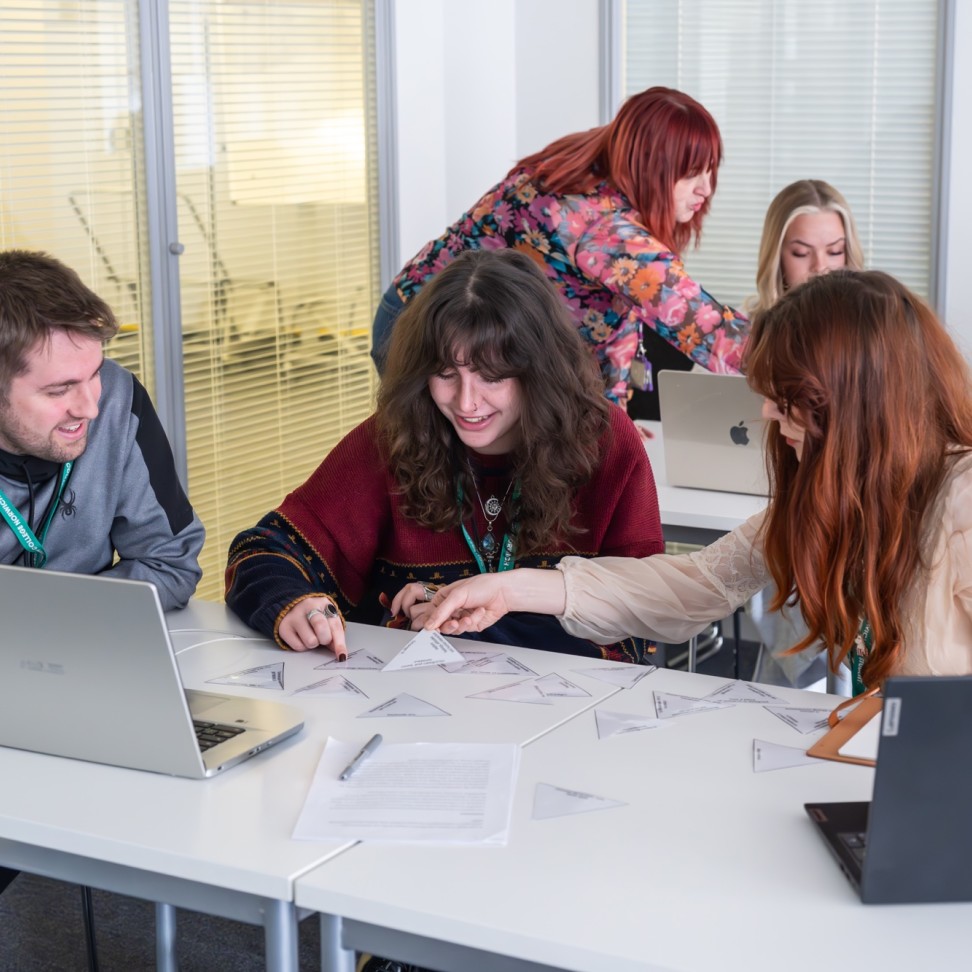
506, 552
859, 652
36, 554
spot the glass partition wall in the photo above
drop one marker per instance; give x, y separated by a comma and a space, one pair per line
261, 176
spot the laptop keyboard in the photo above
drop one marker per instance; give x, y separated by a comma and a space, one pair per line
209, 734
856, 843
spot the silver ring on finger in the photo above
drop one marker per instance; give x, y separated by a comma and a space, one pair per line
310, 614
428, 592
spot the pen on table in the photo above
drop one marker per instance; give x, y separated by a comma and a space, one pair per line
366, 750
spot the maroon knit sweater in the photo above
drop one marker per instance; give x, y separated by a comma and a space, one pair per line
342, 533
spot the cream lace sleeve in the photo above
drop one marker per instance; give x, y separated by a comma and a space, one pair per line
666, 597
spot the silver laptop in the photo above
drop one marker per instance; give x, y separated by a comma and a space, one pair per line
712, 428
87, 670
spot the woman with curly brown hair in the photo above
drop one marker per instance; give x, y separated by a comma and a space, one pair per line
869, 526
492, 446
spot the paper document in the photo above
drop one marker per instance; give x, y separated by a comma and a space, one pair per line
443, 793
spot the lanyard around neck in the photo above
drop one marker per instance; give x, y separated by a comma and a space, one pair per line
506, 551
36, 554
859, 652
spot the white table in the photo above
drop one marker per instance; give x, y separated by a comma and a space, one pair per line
708, 865
222, 846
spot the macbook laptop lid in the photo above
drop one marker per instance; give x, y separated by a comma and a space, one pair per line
712, 428
87, 670
911, 842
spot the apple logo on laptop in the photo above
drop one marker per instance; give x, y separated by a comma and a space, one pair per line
739, 433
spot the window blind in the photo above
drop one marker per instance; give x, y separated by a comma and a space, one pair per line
67, 155
840, 90
273, 106
274, 128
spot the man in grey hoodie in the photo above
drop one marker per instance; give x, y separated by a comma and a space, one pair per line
87, 480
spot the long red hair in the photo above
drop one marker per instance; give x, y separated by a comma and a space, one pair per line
657, 137
870, 373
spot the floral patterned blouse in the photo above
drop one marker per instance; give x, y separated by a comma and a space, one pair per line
611, 271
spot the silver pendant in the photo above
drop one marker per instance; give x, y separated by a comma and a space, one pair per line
493, 507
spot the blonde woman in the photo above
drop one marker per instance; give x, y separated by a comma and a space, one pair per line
809, 229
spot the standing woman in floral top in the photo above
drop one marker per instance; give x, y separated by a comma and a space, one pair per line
605, 214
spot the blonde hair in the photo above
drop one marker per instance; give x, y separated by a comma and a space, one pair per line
796, 199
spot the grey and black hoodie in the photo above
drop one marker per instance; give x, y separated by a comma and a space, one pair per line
123, 510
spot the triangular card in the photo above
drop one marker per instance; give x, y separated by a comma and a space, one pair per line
428, 647
263, 677
403, 705
554, 801
741, 692
668, 705
627, 676
772, 756
359, 659
332, 685
803, 720
613, 723
493, 664
525, 691
556, 686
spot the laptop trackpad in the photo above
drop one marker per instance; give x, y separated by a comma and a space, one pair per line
248, 713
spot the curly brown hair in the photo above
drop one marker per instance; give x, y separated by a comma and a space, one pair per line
883, 396
493, 311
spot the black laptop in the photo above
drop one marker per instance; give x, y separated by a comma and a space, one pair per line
912, 842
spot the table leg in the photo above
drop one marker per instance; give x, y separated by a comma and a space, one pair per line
280, 931
165, 938
334, 957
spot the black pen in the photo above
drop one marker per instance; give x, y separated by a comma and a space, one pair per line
366, 750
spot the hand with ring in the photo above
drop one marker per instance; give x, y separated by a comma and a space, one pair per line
415, 602
314, 622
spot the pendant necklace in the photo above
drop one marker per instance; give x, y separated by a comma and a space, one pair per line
492, 509
485, 551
